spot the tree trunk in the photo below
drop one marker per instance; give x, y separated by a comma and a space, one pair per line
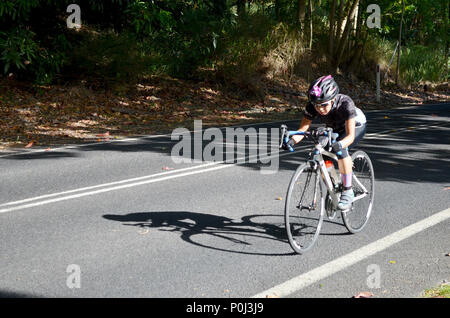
310, 24
357, 57
359, 21
399, 44
240, 7
301, 12
344, 39
354, 30
277, 9
340, 19
446, 17
219, 7
331, 34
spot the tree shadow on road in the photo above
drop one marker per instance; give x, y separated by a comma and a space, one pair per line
12, 294
217, 232
407, 146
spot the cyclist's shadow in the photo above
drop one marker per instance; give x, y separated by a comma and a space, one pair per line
222, 233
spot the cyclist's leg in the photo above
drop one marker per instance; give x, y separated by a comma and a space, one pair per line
346, 169
360, 131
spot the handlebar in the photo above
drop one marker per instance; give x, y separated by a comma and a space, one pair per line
315, 134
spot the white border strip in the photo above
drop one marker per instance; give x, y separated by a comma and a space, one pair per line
150, 179
297, 283
111, 186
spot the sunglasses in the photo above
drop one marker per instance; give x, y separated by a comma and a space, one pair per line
323, 104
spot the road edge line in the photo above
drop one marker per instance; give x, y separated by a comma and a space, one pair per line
304, 280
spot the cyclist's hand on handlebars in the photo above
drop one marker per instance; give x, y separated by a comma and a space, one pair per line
318, 132
289, 145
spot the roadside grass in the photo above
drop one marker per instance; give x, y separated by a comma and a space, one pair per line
442, 291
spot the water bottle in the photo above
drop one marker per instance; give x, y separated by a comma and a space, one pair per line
332, 171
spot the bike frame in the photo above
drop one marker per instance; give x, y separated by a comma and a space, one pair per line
317, 161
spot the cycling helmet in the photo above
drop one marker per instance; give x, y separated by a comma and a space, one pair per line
322, 89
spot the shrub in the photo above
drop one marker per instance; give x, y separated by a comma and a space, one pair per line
17, 49
419, 63
21, 53
109, 60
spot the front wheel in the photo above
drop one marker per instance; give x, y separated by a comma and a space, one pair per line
304, 208
363, 182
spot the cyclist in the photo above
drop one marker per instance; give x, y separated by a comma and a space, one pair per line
339, 112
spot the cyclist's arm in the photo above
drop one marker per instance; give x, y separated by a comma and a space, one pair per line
350, 132
304, 126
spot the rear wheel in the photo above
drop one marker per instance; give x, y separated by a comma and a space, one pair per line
363, 182
304, 208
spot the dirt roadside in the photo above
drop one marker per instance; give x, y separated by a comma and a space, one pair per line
51, 116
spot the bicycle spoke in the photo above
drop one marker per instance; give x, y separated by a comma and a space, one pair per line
356, 218
303, 220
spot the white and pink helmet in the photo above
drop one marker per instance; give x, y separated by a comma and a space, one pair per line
322, 89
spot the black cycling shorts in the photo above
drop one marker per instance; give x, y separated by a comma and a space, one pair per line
359, 134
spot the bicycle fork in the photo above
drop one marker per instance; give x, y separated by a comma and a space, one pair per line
313, 205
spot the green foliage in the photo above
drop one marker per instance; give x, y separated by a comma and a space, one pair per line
17, 49
193, 41
258, 45
243, 46
51, 60
17, 9
20, 52
146, 16
184, 34
420, 63
180, 36
110, 59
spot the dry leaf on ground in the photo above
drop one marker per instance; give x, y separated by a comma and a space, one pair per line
363, 295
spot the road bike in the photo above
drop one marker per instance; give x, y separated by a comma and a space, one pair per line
315, 189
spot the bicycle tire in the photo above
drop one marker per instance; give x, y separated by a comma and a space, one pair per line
357, 217
303, 224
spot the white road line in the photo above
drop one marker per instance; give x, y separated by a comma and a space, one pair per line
149, 179
112, 186
129, 185
297, 283
107, 184
394, 131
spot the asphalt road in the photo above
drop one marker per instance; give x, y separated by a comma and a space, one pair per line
122, 219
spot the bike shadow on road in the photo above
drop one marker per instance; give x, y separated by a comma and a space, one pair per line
216, 232
256, 234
